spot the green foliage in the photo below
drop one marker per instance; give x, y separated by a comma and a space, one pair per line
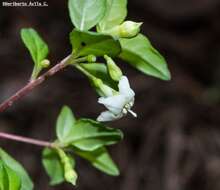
9, 180
57, 165
53, 166
143, 56
87, 138
26, 183
100, 159
85, 134
115, 14
37, 48
84, 137
85, 43
86, 13
89, 135
64, 123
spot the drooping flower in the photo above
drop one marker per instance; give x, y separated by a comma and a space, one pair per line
118, 104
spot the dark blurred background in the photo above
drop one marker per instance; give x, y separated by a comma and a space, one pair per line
174, 144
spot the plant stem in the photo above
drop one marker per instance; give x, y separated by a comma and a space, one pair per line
85, 72
26, 140
34, 83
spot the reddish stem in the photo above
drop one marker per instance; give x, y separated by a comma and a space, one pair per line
26, 140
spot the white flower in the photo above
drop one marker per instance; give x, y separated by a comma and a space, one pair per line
119, 104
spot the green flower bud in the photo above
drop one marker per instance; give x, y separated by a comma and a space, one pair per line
38, 67
91, 58
114, 71
127, 29
70, 174
45, 63
103, 89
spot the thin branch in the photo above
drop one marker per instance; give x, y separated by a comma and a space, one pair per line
26, 140
34, 83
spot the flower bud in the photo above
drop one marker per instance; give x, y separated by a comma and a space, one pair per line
127, 29
45, 63
114, 71
91, 58
102, 88
70, 175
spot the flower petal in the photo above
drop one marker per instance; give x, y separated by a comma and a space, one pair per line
124, 88
108, 116
114, 103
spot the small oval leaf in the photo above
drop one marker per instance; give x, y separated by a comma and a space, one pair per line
65, 122
37, 48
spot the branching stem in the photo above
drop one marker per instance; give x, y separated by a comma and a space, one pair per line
34, 83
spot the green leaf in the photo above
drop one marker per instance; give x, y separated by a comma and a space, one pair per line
115, 14
85, 43
26, 183
99, 70
4, 182
141, 54
64, 123
53, 166
89, 135
36, 46
86, 13
9, 180
100, 159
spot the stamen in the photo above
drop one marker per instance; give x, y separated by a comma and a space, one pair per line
131, 104
127, 106
132, 113
124, 111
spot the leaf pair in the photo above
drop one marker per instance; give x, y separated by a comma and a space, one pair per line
12, 174
84, 134
85, 138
